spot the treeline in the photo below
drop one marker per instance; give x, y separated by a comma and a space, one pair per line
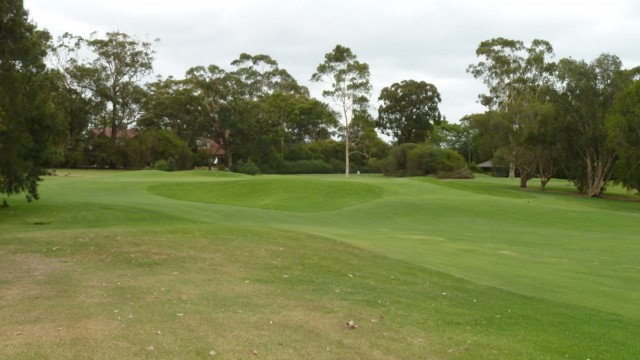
93, 101
571, 118
254, 112
76, 101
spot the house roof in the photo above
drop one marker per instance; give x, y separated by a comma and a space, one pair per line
216, 149
487, 164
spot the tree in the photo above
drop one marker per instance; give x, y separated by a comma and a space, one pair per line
349, 87
623, 128
409, 159
287, 118
173, 105
454, 136
262, 76
585, 94
516, 77
113, 77
30, 126
222, 102
409, 110
153, 145
366, 142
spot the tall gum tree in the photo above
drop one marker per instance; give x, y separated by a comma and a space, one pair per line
586, 93
213, 86
349, 90
113, 77
515, 75
623, 128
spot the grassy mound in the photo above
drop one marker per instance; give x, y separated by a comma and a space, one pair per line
287, 194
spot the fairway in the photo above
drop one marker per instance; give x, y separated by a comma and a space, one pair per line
151, 264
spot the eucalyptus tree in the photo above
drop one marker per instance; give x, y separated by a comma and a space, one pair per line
409, 110
585, 94
220, 102
31, 128
366, 143
294, 119
349, 87
262, 76
516, 76
623, 127
273, 97
112, 77
172, 104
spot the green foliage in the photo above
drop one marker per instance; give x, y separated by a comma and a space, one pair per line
171, 164
350, 87
172, 105
31, 127
168, 165
623, 127
428, 159
111, 78
586, 96
161, 165
421, 159
409, 110
455, 174
150, 146
104, 152
510, 70
248, 167
396, 163
305, 167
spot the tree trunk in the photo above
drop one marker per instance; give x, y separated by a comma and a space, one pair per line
543, 182
229, 159
346, 152
512, 170
598, 173
114, 122
524, 177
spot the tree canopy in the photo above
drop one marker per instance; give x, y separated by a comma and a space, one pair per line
409, 110
30, 125
349, 87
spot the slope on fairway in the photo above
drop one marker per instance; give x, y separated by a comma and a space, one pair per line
276, 193
182, 291
567, 255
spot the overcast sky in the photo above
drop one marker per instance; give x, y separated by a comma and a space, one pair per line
423, 40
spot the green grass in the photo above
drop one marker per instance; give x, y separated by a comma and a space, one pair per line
113, 264
276, 193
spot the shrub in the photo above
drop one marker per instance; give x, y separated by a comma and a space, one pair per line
473, 167
396, 162
337, 166
305, 167
424, 159
152, 145
455, 174
171, 164
161, 165
249, 167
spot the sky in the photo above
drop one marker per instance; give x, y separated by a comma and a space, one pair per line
423, 40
